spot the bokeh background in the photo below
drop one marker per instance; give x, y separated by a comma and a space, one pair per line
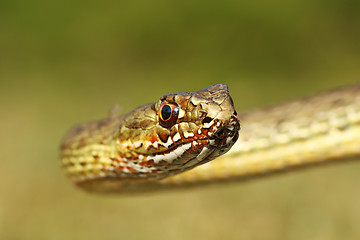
67, 62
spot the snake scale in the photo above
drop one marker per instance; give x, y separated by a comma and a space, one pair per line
173, 142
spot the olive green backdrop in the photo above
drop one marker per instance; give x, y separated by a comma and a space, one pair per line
66, 62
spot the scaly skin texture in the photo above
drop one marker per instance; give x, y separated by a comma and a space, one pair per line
149, 144
319, 129
313, 130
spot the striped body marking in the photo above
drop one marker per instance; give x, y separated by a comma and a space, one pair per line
145, 150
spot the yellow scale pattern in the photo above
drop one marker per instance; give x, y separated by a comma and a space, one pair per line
317, 129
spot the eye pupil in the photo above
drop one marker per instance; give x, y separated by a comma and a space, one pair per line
166, 112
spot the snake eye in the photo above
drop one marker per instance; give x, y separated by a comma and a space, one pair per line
168, 114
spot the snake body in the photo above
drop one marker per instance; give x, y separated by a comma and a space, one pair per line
164, 145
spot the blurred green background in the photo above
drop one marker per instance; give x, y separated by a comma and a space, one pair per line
66, 62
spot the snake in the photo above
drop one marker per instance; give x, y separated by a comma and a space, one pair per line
190, 139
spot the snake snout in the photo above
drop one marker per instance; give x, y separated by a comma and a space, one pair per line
223, 132
227, 134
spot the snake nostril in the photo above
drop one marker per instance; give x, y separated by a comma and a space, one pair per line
222, 133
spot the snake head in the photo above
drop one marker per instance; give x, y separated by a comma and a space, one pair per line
179, 132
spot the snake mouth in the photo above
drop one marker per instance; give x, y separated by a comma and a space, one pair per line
188, 154
216, 145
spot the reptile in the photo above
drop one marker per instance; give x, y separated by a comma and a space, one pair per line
192, 139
